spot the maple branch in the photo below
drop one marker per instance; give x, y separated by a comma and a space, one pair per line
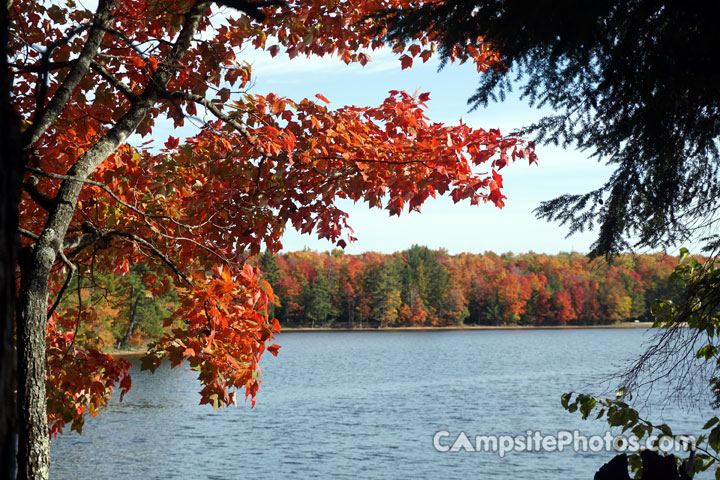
222, 258
112, 80
252, 8
391, 162
372, 160
45, 117
92, 235
154, 249
199, 99
28, 233
127, 40
77, 320
79, 242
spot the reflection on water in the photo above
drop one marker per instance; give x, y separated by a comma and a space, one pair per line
363, 405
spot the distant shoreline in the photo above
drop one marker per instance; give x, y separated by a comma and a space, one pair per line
470, 327
135, 354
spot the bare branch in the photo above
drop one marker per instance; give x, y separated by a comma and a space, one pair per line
48, 67
213, 108
137, 239
71, 273
42, 81
79, 242
113, 81
28, 234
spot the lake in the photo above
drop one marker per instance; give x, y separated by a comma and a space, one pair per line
366, 405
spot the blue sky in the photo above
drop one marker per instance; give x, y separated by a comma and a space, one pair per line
442, 224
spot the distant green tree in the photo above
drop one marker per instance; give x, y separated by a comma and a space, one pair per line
423, 275
142, 311
385, 292
318, 298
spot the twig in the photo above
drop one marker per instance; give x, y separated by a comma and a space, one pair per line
154, 249
112, 80
28, 234
199, 99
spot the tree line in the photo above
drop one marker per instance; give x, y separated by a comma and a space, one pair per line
415, 287
424, 287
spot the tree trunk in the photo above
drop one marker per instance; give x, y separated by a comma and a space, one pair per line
34, 443
133, 316
11, 164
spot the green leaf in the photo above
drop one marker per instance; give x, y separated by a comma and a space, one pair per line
714, 439
565, 399
587, 406
708, 351
639, 431
710, 423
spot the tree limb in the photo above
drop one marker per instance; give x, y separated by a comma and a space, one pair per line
199, 99
106, 189
137, 239
23, 68
73, 269
28, 233
112, 80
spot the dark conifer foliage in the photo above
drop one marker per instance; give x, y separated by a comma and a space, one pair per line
635, 82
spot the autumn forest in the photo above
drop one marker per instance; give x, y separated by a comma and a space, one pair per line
423, 287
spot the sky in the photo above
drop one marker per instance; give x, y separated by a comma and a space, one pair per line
441, 224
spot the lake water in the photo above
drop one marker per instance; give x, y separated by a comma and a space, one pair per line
364, 405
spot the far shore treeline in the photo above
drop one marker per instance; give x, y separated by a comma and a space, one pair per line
417, 287
423, 287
